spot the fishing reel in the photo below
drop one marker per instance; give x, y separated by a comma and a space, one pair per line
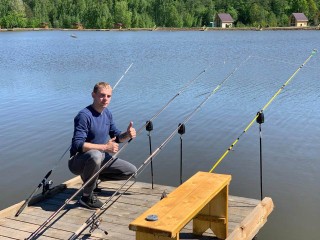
95, 225
46, 186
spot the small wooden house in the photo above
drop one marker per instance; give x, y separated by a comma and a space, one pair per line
78, 26
44, 25
298, 20
223, 20
118, 25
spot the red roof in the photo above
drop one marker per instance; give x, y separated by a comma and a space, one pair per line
300, 17
225, 17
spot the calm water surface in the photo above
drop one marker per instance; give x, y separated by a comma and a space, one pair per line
47, 77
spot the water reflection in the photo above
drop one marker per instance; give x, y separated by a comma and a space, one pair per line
46, 78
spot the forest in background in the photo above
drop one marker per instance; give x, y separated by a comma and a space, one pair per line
102, 14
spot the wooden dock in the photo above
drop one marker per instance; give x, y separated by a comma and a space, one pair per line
246, 216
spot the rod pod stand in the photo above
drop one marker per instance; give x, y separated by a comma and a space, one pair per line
45, 184
181, 131
260, 120
46, 187
149, 128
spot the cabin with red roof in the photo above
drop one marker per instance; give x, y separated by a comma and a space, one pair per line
298, 20
223, 20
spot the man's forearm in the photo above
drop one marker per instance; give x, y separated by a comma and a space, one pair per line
92, 146
123, 137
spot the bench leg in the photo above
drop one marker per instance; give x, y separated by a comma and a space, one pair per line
214, 216
149, 236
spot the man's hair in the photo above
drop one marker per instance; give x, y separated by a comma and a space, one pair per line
101, 85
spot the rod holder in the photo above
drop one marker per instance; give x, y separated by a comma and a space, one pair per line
181, 128
149, 126
260, 118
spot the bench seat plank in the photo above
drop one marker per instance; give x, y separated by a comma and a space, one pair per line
183, 204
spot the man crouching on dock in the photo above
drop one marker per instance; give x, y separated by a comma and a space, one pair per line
90, 149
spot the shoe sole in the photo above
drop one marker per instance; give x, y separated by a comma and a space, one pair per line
86, 205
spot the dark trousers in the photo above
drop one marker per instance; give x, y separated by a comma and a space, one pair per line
88, 163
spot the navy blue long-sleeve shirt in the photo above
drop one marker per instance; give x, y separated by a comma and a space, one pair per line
94, 127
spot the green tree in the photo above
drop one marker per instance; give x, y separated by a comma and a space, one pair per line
272, 20
122, 14
12, 14
258, 16
300, 6
233, 12
313, 12
147, 13
42, 9
188, 20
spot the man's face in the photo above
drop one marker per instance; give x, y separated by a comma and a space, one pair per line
102, 97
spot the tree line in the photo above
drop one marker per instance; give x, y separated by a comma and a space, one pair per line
100, 14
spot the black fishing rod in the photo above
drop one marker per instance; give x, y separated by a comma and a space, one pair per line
94, 220
262, 110
45, 183
113, 158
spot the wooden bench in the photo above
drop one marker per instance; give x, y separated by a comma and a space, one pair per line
203, 198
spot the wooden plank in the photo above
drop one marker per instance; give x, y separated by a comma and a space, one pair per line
250, 226
113, 215
218, 207
9, 233
138, 199
12, 210
192, 196
66, 224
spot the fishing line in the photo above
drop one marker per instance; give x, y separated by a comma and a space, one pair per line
113, 158
230, 74
281, 61
94, 217
44, 182
262, 110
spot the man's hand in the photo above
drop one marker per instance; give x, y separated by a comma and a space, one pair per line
131, 131
111, 146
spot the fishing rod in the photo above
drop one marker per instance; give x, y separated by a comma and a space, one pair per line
122, 77
94, 220
45, 183
113, 158
262, 110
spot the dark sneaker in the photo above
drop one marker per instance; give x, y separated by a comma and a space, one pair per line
91, 202
97, 189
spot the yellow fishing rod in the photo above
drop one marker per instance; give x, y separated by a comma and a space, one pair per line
261, 111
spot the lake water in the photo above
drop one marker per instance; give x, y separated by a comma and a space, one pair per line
46, 77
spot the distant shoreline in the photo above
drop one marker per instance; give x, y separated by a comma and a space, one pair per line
165, 29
